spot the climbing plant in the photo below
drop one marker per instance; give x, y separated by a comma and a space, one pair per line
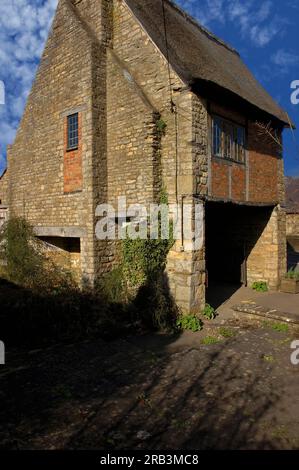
141, 280
145, 259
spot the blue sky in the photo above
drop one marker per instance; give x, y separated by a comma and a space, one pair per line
264, 32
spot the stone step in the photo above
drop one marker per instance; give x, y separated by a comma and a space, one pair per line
267, 313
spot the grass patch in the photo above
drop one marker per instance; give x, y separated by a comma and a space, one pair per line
277, 326
280, 432
293, 274
210, 340
280, 342
268, 358
227, 332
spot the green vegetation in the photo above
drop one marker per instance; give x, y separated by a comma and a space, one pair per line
25, 263
260, 286
268, 358
189, 322
40, 302
210, 340
293, 274
161, 126
227, 332
139, 280
277, 326
209, 312
112, 286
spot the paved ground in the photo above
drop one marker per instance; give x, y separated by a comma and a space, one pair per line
155, 392
288, 303
233, 295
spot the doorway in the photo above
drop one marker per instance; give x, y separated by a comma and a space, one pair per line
232, 231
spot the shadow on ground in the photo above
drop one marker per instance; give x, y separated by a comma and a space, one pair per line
218, 293
142, 391
150, 392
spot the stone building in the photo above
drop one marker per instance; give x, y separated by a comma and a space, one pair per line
112, 71
293, 239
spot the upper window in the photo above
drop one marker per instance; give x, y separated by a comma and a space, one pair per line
228, 140
72, 132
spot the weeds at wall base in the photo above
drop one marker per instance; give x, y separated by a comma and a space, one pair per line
41, 304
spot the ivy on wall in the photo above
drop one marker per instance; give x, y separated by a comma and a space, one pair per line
140, 277
144, 260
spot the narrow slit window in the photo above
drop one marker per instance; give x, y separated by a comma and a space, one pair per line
72, 131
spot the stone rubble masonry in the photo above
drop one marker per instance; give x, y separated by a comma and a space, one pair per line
267, 259
99, 59
138, 159
293, 225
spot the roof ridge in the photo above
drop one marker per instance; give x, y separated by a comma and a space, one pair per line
196, 23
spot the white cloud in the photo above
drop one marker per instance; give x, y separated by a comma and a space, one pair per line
284, 58
206, 12
24, 26
215, 9
264, 12
255, 19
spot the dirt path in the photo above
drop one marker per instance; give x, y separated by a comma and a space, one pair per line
154, 392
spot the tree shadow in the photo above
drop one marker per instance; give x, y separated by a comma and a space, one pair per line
194, 401
128, 391
146, 392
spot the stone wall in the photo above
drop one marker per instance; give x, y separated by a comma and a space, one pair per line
267, 260
3, 215
293, 225
46, 187
99, 62
140, 161
120, 96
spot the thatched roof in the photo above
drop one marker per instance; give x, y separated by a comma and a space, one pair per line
197, 55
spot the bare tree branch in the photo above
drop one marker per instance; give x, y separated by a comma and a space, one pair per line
267, 131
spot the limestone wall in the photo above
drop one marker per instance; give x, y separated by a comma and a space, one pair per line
100, 63
267, 259
140, 160
67, 81
293, 225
